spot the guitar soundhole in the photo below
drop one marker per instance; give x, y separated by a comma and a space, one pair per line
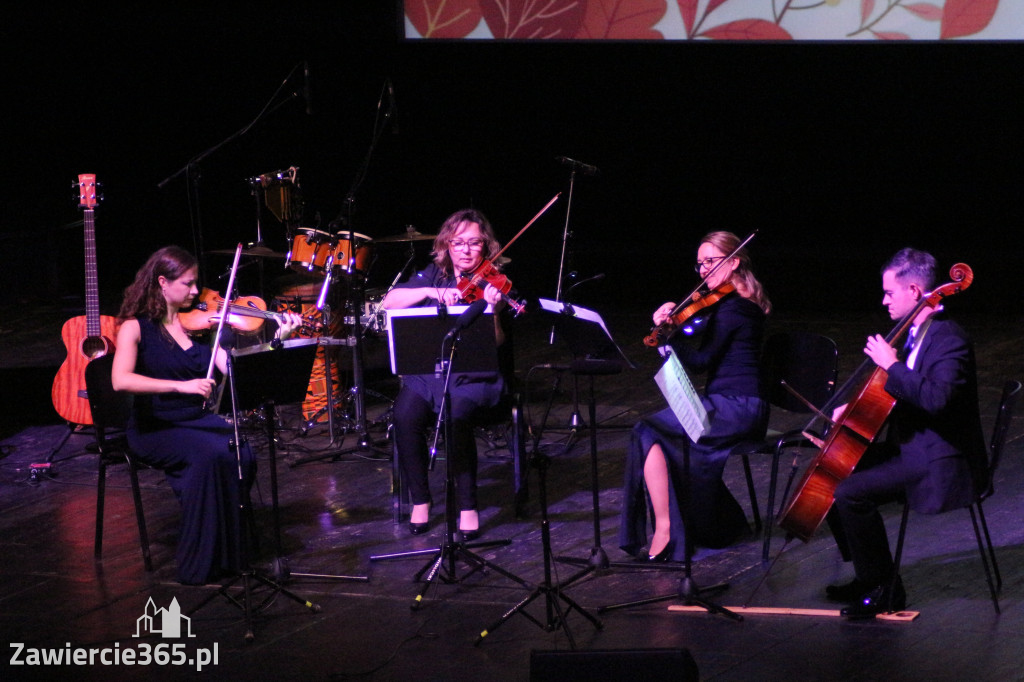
93, 347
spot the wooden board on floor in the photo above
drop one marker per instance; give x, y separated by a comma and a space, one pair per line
896, 616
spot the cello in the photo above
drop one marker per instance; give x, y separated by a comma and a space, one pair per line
850, 435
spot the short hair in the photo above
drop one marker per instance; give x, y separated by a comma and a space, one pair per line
912, 265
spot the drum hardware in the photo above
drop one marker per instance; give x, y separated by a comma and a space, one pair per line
282, 195
355, 421
354, 266
411, 234
252, 250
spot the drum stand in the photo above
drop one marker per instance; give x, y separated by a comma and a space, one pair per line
443, 563
365, 444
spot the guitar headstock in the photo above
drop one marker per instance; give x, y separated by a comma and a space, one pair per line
87, 196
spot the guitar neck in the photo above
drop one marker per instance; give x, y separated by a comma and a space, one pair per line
92, 296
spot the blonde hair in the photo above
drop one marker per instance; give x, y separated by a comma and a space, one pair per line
743, 277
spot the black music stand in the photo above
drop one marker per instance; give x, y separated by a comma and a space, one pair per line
260, 376
270, 374
264, 381
594, 353
423, 342
688, 592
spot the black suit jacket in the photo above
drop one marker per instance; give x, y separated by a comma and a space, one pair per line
935, 423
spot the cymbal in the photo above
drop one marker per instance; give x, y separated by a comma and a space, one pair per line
256, 251
411, 234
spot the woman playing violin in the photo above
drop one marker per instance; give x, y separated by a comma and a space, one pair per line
462, 244
169, 427
727, 353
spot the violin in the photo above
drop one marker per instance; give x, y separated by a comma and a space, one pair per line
246, 314
856, 428
471, 285
698, 301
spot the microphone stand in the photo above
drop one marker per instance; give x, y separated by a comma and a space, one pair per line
443, 563
576, 418
364, 444
191, 169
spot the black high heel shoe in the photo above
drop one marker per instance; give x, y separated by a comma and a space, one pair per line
418, 528
663, 555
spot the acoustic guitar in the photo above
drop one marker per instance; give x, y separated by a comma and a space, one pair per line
87, 336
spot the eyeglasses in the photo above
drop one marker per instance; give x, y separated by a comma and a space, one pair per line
706, 263
471, 244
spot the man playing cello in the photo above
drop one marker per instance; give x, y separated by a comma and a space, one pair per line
934, 454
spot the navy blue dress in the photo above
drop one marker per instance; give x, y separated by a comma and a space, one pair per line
472, 395
174, 432
729, 353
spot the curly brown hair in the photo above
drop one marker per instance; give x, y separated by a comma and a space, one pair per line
143, 297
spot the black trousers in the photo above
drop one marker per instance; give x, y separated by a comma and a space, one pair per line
879, 479
415, 412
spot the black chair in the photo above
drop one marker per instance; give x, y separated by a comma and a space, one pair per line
1011, 392
110, 415
808, 364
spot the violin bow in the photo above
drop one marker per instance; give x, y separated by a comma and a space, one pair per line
224, 313
532, 221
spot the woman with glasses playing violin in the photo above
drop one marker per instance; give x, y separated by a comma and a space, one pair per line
464, 241
727, 353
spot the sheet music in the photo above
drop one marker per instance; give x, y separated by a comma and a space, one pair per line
582, 313
605, 347
682, 397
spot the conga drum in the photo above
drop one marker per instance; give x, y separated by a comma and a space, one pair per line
299, 294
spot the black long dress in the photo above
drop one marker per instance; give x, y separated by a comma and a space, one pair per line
174, 432
728, 352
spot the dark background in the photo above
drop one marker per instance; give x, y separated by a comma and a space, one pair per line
838, 154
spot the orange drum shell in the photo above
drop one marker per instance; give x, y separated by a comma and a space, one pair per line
310, 250
343, 253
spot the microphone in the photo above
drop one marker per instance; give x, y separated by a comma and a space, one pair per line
475, 309
584, 168
305, 88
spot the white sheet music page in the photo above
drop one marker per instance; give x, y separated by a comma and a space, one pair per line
682, 397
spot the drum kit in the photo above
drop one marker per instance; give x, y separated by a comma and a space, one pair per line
327, 271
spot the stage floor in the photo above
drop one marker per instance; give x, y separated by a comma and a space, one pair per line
335, 514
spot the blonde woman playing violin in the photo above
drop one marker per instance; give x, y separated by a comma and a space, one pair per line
727, 352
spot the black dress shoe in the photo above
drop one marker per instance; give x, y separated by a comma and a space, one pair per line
418, 528
848, 593
470, 535
878, 600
